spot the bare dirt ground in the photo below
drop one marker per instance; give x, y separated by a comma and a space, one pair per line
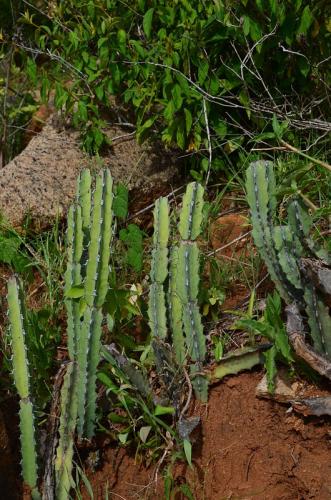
247, 448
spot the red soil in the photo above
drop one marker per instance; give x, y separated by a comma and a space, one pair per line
247, 448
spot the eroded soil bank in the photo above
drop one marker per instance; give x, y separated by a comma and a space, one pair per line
247, 448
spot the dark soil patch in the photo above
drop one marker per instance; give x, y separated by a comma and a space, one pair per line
10, 473
248, 448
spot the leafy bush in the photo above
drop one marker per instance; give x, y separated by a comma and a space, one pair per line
198, 74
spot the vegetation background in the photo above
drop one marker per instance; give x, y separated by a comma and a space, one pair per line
221, 84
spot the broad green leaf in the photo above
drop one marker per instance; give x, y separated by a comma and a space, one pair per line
273, 6
258, 327
121, 37
276, 127
105, 380
180, 136
270, 366
283, 345
116, 418
168, 486
132, 309
141, 132
31, 69
204, 164
147, 22
177, 96
164, 410
169, 111
246, 25
218, 351
110, 322
85, 57
132, 236
203, 71
82, 111
306, 20
188, 451
185, 489
75, 292
99, 92
8, 249
123, 437
255, 33
188, 120
144, 432
221, 128
121, 200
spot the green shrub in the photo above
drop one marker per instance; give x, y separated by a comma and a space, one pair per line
198, 74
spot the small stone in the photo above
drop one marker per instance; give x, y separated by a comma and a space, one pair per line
284, 390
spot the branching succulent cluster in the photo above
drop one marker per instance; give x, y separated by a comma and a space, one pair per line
86, 284
282, 247
173, 317
176, 309
88, 243
22, 383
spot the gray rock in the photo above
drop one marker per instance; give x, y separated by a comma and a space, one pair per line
41, 180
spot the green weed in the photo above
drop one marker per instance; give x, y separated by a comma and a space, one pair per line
271, 326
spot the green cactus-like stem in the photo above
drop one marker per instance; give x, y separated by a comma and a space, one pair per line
96, 282
92, 364
28, 447
96, 286
159, 270
136, 377
82, 361
88, 248
200, 382
185, 268
20, 359
21, 379
288, 252
73, 276
183, 311
191, 214
318, 314
260, 184
319, 321
300, 224
187, 289
176, 310
68, 418
157, 311
325, 326
84, 197
282, 247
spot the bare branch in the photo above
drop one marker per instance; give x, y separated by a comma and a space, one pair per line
210, 156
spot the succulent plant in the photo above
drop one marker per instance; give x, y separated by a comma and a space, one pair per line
282, 247
22, 383
88, 248
86, 284
175, 315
